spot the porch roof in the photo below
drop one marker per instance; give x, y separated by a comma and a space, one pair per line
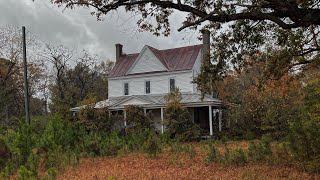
154, 101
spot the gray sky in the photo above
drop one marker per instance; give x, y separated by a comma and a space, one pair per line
79, 30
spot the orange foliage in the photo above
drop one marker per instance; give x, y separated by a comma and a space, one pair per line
260, 103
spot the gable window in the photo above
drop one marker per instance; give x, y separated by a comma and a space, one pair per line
148, 88
172, 84
126, 88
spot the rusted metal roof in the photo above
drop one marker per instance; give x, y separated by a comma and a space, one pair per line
176, 59
123, 65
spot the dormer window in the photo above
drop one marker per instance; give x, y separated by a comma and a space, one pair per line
172, 84
126, 88
148, 88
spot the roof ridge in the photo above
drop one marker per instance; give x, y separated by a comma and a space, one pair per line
175, 47
179, 47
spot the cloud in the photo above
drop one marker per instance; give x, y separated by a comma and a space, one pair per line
77, 29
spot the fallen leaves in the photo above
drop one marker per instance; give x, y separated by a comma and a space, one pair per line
139, 166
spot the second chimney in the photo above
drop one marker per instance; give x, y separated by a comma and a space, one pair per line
118, 51
206, 43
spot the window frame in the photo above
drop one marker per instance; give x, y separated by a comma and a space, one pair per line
145, 87
174, 84
124, 88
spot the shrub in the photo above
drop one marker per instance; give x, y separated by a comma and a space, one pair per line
213, 154
112, 144
4, 153
191, 151
238, 157
227, 154
178, 120
259, 150
304, 140
137, 120
304, 143
25, 174
20, 143
7, 170
281, 153
52, 173
152, 145
249, 135
134, 141
95, 119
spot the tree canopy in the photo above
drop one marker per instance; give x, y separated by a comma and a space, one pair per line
284, 32
287, 14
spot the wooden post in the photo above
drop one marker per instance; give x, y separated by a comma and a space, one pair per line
210, 120
220, 119
125, 117
162, 126
25, 75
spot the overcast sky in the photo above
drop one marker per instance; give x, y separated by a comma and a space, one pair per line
79, 30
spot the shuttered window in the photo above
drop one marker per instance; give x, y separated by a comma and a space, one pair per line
126, 88
148, 88
172, 84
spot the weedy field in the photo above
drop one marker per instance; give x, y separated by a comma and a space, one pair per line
189, 161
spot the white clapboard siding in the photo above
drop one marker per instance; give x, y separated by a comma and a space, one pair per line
147, 62
159, 83
196, 69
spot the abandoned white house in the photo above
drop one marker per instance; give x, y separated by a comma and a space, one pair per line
144, 78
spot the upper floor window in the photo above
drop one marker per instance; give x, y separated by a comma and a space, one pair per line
148, 88
172, 84
126, 88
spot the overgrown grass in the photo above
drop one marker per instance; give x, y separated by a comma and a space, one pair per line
31, 152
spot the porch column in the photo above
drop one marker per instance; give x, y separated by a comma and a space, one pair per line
109, 113
162, 127
125, 117
210, 120
145, 111
220, 119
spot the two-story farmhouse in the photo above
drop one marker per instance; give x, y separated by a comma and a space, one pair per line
144, 78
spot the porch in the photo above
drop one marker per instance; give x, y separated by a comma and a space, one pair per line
205, 111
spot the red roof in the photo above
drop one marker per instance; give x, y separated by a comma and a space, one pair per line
177, 59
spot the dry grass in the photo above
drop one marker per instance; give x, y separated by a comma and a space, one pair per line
179, 166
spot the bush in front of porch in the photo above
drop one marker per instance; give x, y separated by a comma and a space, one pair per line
178, 119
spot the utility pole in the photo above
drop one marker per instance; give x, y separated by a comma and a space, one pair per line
26, 92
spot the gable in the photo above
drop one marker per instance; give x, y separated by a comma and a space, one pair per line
133, 101
147, 62
151, 60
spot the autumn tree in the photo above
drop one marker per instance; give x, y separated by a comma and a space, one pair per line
72, 84
11, 78
304, 135
88, 76
258, 105
59, 57
239, 27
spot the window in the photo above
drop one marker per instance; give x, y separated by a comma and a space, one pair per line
148, 87
126, 88
172, 84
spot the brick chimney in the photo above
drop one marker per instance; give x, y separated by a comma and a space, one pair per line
206, 43
118, 51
